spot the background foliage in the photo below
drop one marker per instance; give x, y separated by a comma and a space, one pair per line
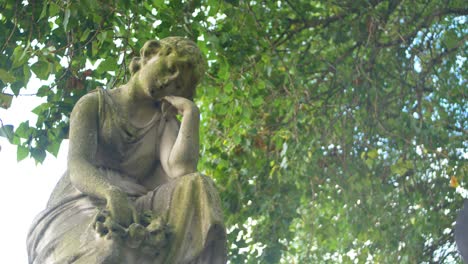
335, 130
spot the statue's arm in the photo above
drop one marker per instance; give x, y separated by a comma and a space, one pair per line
82, 151
180, 145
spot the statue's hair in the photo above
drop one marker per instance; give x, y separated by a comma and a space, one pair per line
186, 50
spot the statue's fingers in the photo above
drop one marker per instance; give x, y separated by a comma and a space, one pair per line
136, 235
169, 107
99, 217
175, 101
146, 217
114, 229
170, 99
101, 229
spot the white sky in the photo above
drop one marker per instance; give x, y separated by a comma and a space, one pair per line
24, 187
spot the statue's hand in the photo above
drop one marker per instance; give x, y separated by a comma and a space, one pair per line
151, 235
183, 105
122, 211
106, 227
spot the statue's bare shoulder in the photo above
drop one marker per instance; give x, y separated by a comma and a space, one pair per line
83, 127
86, 107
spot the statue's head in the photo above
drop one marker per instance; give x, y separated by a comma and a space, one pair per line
183, 64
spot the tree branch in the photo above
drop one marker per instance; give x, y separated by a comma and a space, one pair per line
424, 24
306, 25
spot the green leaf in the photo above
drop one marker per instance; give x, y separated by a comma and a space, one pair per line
6, 77
451, 39
41, 69
54, 9
21, 153
102, 36
38, 110
43, 12
110, 64
38, 154
94, 48
7, 131
26, 72
257, 101
85, 35
54, 148
5, 100
224, 70
158, 3
372, 154
19, 57
43, 91
23, 130
228, 88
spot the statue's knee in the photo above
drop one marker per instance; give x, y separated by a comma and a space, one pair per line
191, 178
195, 179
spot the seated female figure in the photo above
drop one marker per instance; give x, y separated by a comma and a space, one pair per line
132, 193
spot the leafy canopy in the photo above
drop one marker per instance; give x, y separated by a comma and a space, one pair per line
332, 128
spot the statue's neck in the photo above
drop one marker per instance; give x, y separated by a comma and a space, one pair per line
135, 95
139, 107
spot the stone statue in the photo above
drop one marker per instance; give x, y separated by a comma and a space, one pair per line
132, 193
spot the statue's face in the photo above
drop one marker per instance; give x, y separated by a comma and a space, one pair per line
164, 74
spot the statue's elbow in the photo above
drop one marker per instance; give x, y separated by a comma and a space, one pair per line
77, 169
73, 170
181, 168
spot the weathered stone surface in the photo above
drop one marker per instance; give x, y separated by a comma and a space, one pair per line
132, 193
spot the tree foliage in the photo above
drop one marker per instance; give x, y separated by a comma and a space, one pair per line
332, 128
